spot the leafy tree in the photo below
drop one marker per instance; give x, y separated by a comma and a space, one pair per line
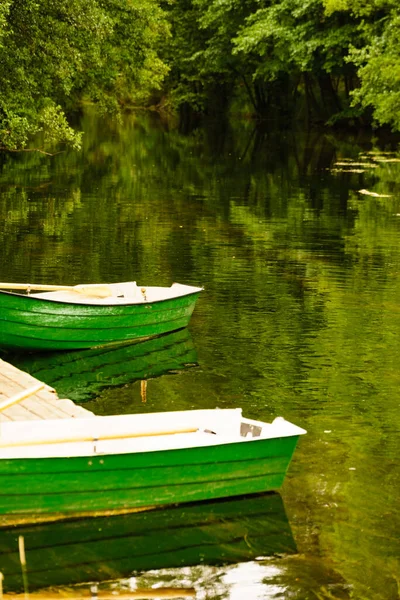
325, 59
203, 68
274, 50
54, 53
297, 39
378, 60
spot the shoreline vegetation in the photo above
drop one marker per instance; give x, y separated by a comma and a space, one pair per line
320, 62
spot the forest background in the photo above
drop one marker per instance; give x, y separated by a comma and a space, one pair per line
328, 62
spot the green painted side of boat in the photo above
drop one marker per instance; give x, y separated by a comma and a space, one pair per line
72, 485
81, 376
31, 323
103, 548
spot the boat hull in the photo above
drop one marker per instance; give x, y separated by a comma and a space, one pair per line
38, 324
65, 487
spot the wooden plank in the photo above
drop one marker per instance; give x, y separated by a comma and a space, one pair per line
69, 408
18, 413
45, 404
46, 409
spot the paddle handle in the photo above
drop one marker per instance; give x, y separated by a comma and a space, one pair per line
21, 396
99, 290
35, 286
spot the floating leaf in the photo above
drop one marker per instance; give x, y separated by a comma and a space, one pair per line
368, 193
356, 164
386, 160
348, 170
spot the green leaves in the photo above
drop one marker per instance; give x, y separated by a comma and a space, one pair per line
377, 57
338, 58
207, 54
379, 71
295, 36
53, 123
14, 131
54, 54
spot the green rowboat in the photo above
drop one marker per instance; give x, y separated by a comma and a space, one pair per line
101, 465
217, 532
91, 316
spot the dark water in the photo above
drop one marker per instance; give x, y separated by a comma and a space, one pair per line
300, 317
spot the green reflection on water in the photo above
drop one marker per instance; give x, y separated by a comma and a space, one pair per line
215, 533
300, 315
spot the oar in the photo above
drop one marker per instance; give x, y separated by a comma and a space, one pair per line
21, 396
91, 438
99, 290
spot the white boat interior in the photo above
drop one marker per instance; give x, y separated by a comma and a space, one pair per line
118, 293
123, 434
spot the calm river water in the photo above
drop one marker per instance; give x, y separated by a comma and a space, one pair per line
296, 240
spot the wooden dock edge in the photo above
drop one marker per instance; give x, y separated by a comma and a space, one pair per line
45, 404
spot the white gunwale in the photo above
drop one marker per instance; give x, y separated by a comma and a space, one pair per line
123, 434
125, 293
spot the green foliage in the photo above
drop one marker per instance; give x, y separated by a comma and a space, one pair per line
205, 70
263, 47
56, 128
359, 7
293, 36
327, 60
340, 56
4, 11
379, 72
377, 58
130, 67
54, 53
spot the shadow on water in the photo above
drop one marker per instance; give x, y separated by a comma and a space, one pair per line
213, 533
82, 375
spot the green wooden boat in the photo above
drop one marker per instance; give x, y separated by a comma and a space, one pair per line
81, 376
97, 549
74, 318
86, 466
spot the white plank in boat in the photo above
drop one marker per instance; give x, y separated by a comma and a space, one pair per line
45, 404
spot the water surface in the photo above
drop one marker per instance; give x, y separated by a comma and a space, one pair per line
300, 315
